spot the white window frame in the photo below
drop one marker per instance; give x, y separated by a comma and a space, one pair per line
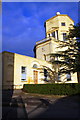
24, 74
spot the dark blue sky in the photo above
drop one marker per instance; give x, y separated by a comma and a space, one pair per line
23, 23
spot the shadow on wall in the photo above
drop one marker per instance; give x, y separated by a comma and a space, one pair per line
63, 108
7, 70
7, 80
10, 103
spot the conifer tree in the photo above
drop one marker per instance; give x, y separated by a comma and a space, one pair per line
68, 60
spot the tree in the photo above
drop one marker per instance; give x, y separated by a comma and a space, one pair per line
49, 75
68, 60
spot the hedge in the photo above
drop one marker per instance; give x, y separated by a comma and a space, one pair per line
53, 89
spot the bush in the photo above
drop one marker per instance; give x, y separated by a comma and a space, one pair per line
53, 89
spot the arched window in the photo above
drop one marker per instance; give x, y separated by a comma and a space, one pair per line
35, 66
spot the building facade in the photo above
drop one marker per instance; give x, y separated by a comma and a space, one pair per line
56, 29
19, 69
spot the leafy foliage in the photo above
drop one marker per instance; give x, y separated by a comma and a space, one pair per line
69, 57
51, 75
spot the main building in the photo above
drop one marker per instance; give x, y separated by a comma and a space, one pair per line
19, 69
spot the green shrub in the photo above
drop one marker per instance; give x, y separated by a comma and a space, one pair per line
53, 89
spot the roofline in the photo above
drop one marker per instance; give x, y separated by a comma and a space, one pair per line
51, 38
7, 52
59, 15
25, 56
43, 42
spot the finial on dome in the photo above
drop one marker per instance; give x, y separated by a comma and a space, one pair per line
58, 13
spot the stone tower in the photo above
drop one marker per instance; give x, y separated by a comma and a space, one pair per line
56, 29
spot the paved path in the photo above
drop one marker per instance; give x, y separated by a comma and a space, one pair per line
26, 106
15, 109
54, 108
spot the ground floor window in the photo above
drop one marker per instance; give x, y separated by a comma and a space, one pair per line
45, 75
64, 37
68, 76
59, 77
23, 73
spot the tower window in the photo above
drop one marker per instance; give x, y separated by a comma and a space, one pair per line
53, 34
44, 57
63, 24
64, 36
49, 35
57, 34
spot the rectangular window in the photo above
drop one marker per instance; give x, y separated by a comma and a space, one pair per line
53, 34
56, 58
45, 74
68, 76
44, 57
49, 35
23, 73
59, 77
64, 36
57, 34
63, 24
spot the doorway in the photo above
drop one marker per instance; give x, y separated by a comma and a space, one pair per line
35, 76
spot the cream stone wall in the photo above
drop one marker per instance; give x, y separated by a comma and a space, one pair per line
52, 45
68, 25
46, 48
13, 62
54, 24
43, 49
21, 60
